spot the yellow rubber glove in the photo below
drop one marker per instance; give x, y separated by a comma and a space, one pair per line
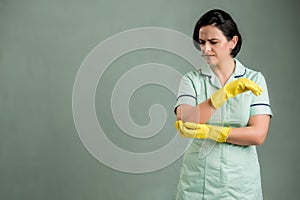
202, 131
232, 89
179, 127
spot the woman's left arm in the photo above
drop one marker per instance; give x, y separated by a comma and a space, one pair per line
253, 134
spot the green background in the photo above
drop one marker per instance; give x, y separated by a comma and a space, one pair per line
42, 45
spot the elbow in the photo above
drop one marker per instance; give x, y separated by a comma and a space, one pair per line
260, 138
259, 142
187, 113
178, 116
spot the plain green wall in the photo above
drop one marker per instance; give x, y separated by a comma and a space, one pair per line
42, 45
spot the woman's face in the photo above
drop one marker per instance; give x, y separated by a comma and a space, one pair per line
214, 45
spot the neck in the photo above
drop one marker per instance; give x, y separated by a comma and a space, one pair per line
224, 70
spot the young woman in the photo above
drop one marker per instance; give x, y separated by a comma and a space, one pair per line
225, 102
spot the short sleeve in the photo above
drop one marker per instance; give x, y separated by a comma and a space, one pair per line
261, 104
186, 92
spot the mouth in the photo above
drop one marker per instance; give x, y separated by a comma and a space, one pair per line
208, 56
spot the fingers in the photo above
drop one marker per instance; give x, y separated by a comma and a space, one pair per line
192, 130
178, 124
245, 85
191, 133
184, 131
256, 89
179, 127
191, 125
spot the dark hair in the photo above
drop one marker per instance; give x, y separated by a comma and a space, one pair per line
224, 22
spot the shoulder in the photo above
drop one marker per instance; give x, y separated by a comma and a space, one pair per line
192, 75
251, 74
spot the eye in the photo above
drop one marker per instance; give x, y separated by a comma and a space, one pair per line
213, 42
201, 42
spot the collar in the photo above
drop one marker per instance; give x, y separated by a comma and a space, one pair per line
239, 70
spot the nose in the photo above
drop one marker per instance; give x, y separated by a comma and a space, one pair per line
206, 47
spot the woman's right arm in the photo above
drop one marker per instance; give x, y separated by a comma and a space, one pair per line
187, 110
200, 113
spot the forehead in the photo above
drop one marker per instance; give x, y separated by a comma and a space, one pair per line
210, 32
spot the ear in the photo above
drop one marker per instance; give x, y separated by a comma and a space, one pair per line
234, 41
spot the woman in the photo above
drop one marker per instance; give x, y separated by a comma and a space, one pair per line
225, 102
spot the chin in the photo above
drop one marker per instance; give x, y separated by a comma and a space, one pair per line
211, 62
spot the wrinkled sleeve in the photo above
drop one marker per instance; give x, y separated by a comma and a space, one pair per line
261, 104
186, 92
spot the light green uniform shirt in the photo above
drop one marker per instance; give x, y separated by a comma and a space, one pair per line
226, 171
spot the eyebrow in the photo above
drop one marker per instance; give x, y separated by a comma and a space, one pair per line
210, 39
